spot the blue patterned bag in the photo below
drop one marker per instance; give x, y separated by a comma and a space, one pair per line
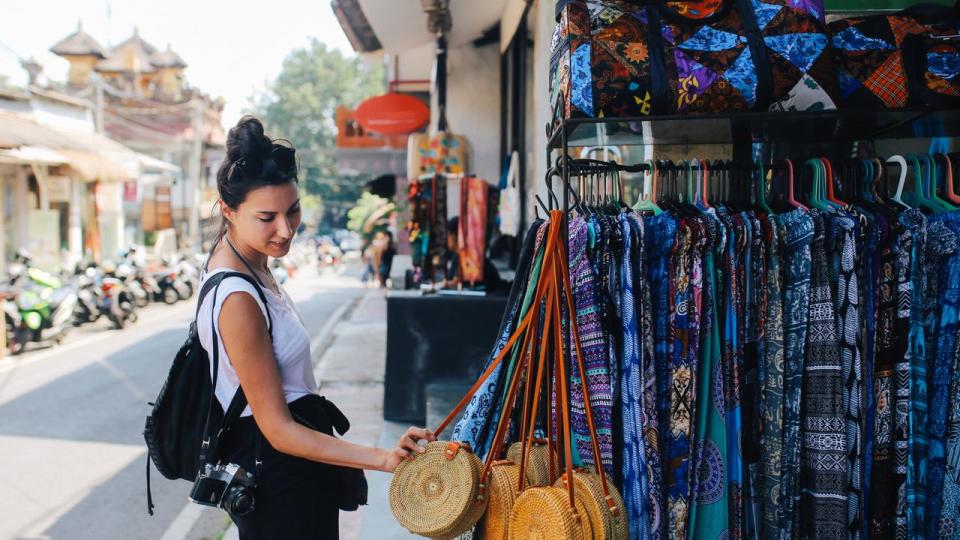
621, 58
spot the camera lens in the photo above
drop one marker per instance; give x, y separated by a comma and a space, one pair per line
239, 501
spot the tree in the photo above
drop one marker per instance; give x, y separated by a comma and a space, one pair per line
370, 214
300, 104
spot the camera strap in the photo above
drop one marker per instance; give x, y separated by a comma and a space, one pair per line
210, 446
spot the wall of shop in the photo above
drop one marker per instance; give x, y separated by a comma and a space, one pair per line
473, 105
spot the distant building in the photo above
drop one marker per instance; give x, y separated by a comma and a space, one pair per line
142, 99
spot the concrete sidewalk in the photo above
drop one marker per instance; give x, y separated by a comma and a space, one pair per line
350, 361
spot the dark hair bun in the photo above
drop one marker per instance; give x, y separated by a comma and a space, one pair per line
247, 140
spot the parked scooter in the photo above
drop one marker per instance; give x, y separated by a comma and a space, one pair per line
12, 322
44, 305
117, 302
125, 273
89, 297
171, 287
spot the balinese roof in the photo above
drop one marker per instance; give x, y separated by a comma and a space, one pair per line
118, 59
79, 43
168, 58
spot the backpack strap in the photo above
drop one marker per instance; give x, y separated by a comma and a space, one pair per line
208, 450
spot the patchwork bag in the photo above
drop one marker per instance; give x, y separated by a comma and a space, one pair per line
907, 59
622, 58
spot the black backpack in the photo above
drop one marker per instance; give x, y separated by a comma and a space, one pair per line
178, 429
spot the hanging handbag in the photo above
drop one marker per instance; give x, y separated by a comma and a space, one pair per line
440, 493
618, 58
574, 507
906, 59
510, 199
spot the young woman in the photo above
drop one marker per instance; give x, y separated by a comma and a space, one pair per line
294, 465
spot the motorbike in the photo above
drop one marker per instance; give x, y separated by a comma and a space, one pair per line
89, 296
12, 322
172, 288
117, 302
44, 305
126, 274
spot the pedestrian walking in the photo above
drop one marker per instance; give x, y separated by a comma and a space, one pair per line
284, 436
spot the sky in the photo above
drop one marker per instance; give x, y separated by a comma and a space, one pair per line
232, 48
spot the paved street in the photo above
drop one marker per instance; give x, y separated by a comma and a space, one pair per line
72, 456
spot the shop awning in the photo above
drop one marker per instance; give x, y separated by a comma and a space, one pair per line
25, 155
93, 156
400, 25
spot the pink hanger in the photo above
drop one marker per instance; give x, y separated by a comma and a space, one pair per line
790, 199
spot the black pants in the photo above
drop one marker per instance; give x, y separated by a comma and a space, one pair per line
294, 496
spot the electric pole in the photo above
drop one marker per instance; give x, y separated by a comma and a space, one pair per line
196, 169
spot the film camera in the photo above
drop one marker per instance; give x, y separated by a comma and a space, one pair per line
228, 486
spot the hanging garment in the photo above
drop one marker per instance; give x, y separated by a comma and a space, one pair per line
948, 524
915, 512
477, 417
882, 503
595, 355
823, 505
942, 242
473, 228
709, 505
797, 229
847, 308
636, 488
661, 231
771, 394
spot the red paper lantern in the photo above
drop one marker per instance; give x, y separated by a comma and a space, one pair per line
392, 114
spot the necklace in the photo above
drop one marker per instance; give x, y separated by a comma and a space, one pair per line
274, 287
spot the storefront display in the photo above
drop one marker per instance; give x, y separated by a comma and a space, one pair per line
760, 346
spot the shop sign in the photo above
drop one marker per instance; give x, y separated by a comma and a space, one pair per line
392, 114
130, 191
58, 189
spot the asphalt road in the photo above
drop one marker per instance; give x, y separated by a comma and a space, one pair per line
72, 458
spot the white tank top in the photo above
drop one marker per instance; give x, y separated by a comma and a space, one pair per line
291, 342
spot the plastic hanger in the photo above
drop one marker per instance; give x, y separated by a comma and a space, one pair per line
816, 184
828, 182
919, 193
932, 183
705, 176
697, 182
898, 195
761, 180
648, 201
948, 180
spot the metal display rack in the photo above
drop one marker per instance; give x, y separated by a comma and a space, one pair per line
831, 129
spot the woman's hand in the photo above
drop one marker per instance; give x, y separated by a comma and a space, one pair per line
410, 442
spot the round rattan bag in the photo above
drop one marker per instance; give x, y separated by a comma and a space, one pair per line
612, 526
435, 494
538, 467
544, 513
503, 490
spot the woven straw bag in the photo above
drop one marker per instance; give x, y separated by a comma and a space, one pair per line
545, 513
435, 494
611, 525
538, 466
504, 483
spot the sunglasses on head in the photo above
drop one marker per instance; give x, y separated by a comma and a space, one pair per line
283, 156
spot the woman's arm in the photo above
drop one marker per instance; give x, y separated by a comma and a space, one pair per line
243, 330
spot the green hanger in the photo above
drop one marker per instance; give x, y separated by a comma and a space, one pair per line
815, 191
919, 195
647, 201
931, 183
762, 188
